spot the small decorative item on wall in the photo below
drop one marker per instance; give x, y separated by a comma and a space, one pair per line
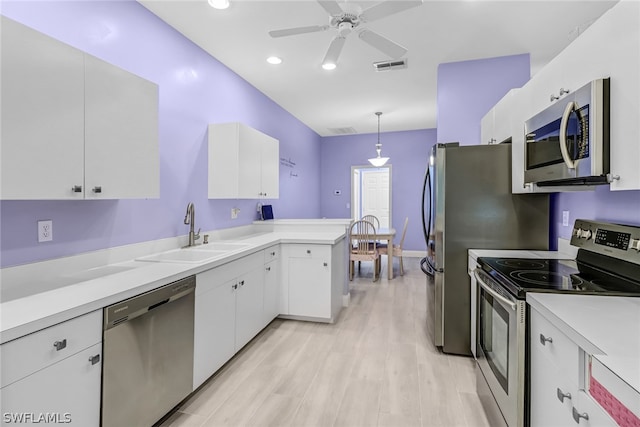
290, 164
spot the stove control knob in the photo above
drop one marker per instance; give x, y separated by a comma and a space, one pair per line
635, 244
577, 232
585, 234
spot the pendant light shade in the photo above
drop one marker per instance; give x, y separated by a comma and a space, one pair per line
378, 161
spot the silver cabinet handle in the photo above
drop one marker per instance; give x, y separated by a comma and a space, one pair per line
76, 189
325, 264
544, 340
94, 359
563, 91
273, 254
97, 189
59, 345
577, 415
308, 251
234, 286
268, 269
553, 98
242, 283
562, 396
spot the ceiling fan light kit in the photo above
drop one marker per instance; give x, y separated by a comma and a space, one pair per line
378, 161
219, 4
353, 20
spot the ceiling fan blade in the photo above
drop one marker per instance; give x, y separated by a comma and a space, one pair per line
298, 30
383, 44
334, 50
387, 8
331, 6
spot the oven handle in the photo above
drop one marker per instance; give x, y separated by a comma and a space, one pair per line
493, 293
564, 125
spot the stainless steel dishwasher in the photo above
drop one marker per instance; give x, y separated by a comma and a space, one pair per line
147, 355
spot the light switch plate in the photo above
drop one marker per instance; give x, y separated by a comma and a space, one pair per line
45, 231
565, 218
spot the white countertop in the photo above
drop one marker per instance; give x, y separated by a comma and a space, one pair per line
606, 327
77, 294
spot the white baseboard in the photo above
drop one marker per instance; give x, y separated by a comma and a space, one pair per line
346, 299
414, 254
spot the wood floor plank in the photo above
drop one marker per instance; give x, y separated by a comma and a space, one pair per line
375, 366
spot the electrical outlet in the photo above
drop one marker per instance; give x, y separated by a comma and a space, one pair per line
45, 231
565, 218
234, 213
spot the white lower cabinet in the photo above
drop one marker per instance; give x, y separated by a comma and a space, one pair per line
54, 375
313, 280
228, 313
557, 396
271, 283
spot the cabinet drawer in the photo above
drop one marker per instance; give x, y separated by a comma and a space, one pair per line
560, 350
310, 251
597, 416
271, 253
26, 355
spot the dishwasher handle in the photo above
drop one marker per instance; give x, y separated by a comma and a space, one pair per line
137, 306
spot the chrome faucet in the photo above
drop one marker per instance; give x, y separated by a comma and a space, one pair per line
190, 218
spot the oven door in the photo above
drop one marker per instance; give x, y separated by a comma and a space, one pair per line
501, 347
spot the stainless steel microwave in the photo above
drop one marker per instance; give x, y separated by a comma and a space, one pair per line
568, 143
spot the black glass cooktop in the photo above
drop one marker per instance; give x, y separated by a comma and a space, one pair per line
521, 275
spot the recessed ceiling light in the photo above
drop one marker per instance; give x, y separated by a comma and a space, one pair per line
219, 4
274, 60
329, 66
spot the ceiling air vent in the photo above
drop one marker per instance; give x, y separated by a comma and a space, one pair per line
396, 64
342, 131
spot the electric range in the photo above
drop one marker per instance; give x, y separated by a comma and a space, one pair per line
607, 263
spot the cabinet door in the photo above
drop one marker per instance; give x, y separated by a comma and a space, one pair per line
271, 290
42, 116
121, 136
249, 302
69, 391
214, 328
486, 128
309, 287
250, 158
270, 177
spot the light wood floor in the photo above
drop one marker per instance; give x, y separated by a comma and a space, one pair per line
374, 367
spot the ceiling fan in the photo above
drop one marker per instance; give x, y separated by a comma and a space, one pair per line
352, 19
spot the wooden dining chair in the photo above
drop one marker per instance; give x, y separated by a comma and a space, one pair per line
363, 247
372, 219
396, 250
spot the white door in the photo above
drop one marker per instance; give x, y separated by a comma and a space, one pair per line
375, 194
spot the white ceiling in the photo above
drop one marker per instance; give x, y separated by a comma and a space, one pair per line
435, 32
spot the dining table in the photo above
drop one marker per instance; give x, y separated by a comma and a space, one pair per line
382, 235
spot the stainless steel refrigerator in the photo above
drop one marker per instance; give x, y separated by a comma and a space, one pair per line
468, 204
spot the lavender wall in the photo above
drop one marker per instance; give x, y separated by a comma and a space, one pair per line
408, 152
195, 90
467, 90
622, 207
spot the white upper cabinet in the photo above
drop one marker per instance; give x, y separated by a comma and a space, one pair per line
609, 48
42, 150
497, 125
73, 126
122, 158
243, 163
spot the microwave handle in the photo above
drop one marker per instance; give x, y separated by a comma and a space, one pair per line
564, 124
493, 293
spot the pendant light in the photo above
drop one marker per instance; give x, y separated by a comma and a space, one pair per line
378, 161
